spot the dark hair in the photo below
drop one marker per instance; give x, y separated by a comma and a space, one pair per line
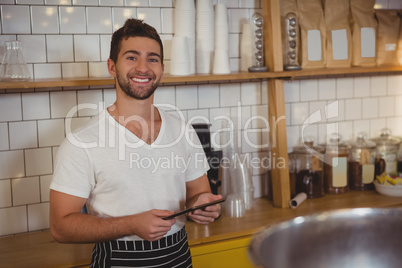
132, 28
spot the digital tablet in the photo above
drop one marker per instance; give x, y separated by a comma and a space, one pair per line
194, 208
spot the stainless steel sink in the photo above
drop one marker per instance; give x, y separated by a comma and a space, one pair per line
352, 238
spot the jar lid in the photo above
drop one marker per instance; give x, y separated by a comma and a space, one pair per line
336, 145
307, 147
362, 142
386, 138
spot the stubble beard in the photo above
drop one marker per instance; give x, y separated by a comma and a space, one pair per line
139, 94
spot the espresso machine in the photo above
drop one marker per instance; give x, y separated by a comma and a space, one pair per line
214, 157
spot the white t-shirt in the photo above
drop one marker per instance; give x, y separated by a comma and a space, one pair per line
120, 174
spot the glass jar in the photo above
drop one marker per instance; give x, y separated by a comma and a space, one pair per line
309, 169
387, 148
361, 163
292, 174
400, 160
336, 165
13, 66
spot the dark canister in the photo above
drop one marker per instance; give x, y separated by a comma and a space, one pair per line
309, 169
361, 163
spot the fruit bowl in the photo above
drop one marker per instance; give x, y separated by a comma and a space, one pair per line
390, 190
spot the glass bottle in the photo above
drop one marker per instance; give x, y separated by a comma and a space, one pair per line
13, 66
336, 165
387, 148
309, 169
361, 163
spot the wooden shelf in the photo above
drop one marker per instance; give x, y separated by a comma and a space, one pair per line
208, 78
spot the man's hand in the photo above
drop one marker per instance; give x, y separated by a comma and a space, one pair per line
208, 214
150, 226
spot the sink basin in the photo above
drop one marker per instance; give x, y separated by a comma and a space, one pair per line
363, 237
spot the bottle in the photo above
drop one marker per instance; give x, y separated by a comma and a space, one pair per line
361, 163
13, 66
336, 165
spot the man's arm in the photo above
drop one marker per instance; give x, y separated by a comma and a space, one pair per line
69, 225
199, 192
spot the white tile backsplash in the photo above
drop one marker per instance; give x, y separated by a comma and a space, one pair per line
151, 16
35, 106
90, 102
186, 97
74, 69
99, 20
5, 194
361, 87
370, 108
4, 141
15, 19
57, 43
10, 107
62, 103
45, 187
25, 191
50, 132
23, 135
13, 220
47, 71
73, 40
309, 90
72, 20
327, 89
44, 20
38, 217
353, 109
208, 96
86, 48
229, 95
33, 47
344, 88
250, 93
12, 164
121, 14
38, 161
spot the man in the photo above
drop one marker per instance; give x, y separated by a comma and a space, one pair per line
113, 166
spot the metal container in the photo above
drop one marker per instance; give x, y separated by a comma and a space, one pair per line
362, 237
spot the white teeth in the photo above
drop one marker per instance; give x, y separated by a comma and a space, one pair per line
143, 80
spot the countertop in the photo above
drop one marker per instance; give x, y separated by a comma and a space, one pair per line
40, 250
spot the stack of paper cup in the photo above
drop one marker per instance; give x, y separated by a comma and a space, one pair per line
180, 57
221, 53
221, 27
184, 26
246, 48
205, 36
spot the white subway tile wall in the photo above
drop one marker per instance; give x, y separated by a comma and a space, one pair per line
71, 38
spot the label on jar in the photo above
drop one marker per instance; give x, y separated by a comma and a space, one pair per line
391, 163
364, 157
339, 172
368, 174
316, 164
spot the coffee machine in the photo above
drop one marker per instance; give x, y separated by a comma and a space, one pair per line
214, 157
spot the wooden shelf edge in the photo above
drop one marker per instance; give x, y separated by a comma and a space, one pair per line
200, 78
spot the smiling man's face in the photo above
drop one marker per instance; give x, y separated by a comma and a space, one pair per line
139, 67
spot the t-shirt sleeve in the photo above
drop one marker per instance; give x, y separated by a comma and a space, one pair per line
73, 173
